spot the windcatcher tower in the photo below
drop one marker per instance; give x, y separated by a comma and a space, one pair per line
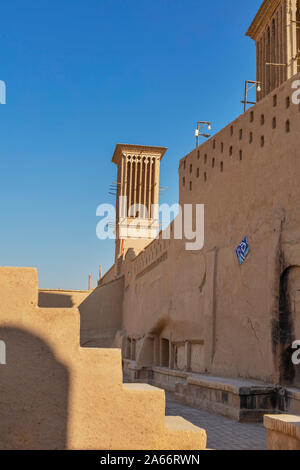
137, 192
276, 32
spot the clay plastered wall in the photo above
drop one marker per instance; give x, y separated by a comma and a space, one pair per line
109, 275
248, 178
45, 383
50, 298
101, 314
163, 293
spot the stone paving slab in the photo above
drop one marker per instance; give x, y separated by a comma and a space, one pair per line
222, 433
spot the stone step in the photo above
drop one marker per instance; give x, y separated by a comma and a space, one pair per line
173, 432
183, 434
151, 410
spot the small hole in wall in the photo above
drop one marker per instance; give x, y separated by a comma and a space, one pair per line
205, 177
262, 141
262, 119
198, 155
214, 144
198, 172
231, 130
274, 101
205, 159
191, 186
287, 102
250, 138
251, 116
222, 167
213, 163
274, 123
230, 151
241, 134
184, 164
287, 126
183, 181
241, 155
191, 168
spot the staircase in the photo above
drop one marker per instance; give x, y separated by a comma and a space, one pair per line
80, 401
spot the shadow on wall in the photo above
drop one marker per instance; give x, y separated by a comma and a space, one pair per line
53, 300
34, 394
101, 315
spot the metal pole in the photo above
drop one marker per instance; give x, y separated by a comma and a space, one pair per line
246, 92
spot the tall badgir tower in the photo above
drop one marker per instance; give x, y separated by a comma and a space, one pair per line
216, 328
276, 32
137, 196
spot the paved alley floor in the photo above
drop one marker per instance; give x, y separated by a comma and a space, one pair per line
222, 433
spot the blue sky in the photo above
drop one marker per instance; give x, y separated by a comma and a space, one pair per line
84, 75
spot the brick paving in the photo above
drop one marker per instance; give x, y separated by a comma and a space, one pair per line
222, 433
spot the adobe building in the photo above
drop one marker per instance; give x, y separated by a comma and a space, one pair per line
198, 323
215, 331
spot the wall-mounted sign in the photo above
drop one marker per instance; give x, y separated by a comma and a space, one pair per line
243, 250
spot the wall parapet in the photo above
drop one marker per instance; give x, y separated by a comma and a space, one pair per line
250, 135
